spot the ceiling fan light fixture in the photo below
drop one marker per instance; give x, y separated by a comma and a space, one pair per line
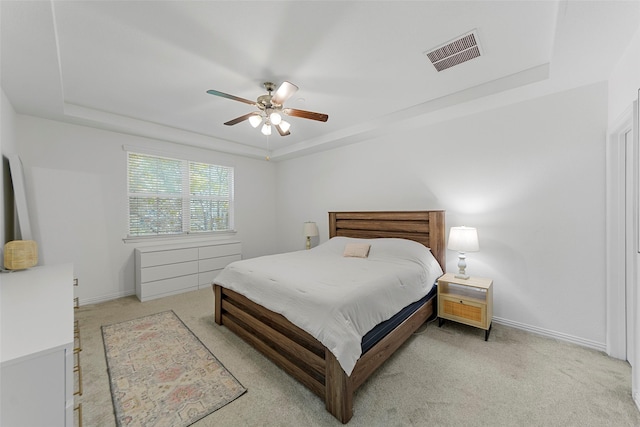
275, 118
270, 109
284, 125
255, 120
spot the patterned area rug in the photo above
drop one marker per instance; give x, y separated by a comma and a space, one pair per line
162, 375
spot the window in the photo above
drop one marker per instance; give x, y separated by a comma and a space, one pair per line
172, 196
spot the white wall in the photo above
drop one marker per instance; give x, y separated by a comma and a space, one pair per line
624, 81
76, 188
530, 177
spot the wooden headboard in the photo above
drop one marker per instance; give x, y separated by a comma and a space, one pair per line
425, 227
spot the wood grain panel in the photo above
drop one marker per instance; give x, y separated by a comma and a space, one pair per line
284, 363
406, 226
288, 347
385, 215
275, 321
339, 391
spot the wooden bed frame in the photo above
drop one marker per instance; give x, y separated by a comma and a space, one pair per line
300, 354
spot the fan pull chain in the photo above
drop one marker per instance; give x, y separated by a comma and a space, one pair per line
268, 149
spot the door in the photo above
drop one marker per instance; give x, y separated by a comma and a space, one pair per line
620, 252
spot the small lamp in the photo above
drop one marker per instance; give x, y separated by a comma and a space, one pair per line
310, 230
463, 239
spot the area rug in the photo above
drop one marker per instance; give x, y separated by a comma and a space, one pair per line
161, 374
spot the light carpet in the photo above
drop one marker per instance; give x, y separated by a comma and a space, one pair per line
162, 375
448, 376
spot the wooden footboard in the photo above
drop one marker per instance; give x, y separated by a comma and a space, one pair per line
301, 355
288, 346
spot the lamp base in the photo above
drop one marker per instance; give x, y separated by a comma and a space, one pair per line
462, 265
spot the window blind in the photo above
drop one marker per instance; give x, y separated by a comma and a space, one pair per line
210, 189
173, 196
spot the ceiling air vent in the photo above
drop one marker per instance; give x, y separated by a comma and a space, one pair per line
462, 49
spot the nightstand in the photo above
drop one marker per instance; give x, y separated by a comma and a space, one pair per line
468, 301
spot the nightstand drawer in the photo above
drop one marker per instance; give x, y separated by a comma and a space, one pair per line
464, 311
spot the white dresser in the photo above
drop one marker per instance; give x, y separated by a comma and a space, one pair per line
36, 351
172, 269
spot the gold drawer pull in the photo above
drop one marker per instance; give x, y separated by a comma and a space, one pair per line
78, 369
76, 337
79, 409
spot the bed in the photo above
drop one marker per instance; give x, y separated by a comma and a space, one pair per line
304, 357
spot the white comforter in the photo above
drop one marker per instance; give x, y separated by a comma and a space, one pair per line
334, 298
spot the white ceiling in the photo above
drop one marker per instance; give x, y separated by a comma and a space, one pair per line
143, 67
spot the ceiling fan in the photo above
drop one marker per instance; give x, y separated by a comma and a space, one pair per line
271, 109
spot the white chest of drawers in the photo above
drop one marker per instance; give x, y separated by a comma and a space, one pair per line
36, 346
172, 269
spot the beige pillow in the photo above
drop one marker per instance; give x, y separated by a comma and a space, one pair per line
358, 250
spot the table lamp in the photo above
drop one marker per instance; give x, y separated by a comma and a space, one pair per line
463, 239
310, 230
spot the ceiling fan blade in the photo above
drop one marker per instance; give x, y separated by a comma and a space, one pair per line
306, 114
239, 119
226, 95
281, 132
284, 92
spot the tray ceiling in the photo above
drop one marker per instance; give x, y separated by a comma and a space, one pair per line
144, 67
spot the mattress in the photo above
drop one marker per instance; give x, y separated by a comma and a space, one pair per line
382, 329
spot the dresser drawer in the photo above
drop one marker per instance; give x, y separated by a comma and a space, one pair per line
463, 311
168, 271
169, 286
206, 279
218, 263
220, 250
150, 259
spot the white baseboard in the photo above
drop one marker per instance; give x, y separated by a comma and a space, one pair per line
553, 334
105, 298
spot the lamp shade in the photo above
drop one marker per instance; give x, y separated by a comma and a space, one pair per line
255, 120
275, 118
284, 126
463, 239
310, 229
